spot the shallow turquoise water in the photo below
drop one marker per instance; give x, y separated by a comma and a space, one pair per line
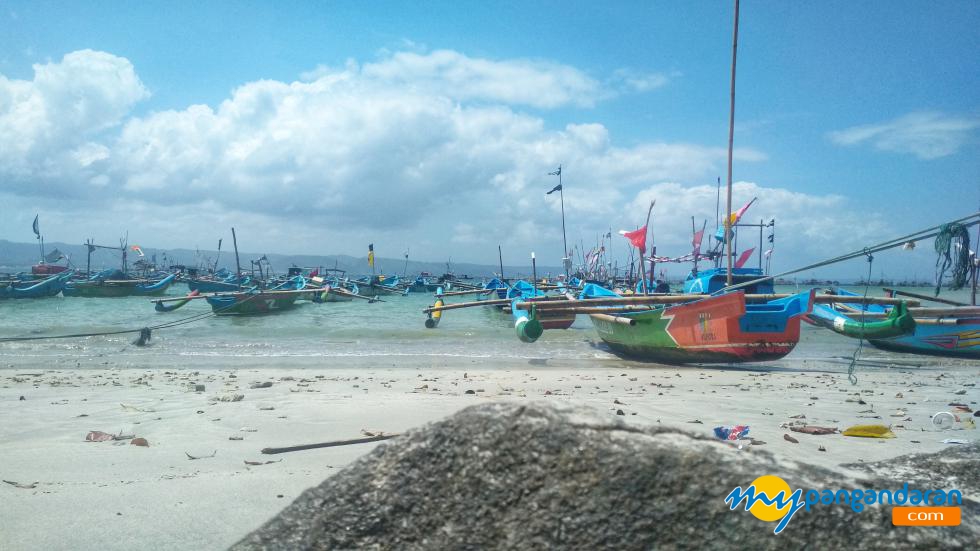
343, 334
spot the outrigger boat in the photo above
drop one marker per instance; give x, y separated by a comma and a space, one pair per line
114, 283
952, 331
47, 287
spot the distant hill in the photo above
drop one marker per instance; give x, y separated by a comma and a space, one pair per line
15, 257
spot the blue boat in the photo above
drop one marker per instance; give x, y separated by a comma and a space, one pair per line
47, 287
712, 280
952, 331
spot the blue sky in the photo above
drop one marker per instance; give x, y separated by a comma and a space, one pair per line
405, 125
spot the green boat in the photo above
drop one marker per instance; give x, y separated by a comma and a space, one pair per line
116, 285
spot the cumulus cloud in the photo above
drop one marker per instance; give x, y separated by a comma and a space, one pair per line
432, 151
927, 134
51, 124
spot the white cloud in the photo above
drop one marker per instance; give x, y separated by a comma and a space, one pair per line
47, 124
631, 80
410, 151
926, 134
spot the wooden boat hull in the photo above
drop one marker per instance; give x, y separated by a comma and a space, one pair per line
118, 288
960, 339
251, 304
718, 329
955, 335
35, 289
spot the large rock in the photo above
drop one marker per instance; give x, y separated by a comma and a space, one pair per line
519, 476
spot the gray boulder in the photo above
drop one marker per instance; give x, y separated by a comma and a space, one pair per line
532, 476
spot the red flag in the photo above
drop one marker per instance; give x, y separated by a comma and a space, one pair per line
696, 242
637, 237
743, 258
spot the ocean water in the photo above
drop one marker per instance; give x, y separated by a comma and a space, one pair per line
347, 334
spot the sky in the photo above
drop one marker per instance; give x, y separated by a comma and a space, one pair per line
320, 127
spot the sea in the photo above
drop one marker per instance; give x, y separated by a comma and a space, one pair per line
355, 334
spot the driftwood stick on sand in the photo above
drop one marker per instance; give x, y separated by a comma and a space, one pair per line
189, 456
332, 444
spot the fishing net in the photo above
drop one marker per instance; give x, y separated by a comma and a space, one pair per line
953, 248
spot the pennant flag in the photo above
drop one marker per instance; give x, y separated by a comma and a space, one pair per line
53, 256
371, 255
138, 250
37, 229
743, 258
637, 237
696, 242
555, 173
554, 189
736, 216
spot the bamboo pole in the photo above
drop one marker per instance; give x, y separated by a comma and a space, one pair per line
466, 305
614, 319
672, 299
248, 292
924, 297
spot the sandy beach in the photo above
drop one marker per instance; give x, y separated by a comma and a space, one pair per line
115, 495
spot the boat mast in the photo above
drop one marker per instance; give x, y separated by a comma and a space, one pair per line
238, 264
500, 255
731, 139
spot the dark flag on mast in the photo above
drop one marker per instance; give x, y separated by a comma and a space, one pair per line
37, 229
555, 173
554, 189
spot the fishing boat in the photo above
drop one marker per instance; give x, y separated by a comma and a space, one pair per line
523, 291
381, 285
716, 329
47, 287
222, 281
114, 283
952, 331
252, 302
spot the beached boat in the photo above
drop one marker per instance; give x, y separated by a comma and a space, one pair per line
716, 329
943, 331
114, 283
47, 287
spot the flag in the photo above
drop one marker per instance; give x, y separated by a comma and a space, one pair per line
637, 237
696, 242
554, 189
53, 256
371, 255
138, 250
219, 245
743, 258
736, 216
37, 229
555, 173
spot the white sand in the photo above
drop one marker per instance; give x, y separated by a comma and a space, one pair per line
112, 495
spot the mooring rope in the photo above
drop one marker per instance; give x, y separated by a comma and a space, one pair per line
864, 309
141, 330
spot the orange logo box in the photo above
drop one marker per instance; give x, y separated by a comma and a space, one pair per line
926, 516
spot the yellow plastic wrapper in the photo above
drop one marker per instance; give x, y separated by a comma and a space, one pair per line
869, 431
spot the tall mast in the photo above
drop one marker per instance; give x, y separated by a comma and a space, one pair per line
731, 140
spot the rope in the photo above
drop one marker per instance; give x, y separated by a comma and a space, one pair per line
966, 222
143, 331
953, 247
864, 309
